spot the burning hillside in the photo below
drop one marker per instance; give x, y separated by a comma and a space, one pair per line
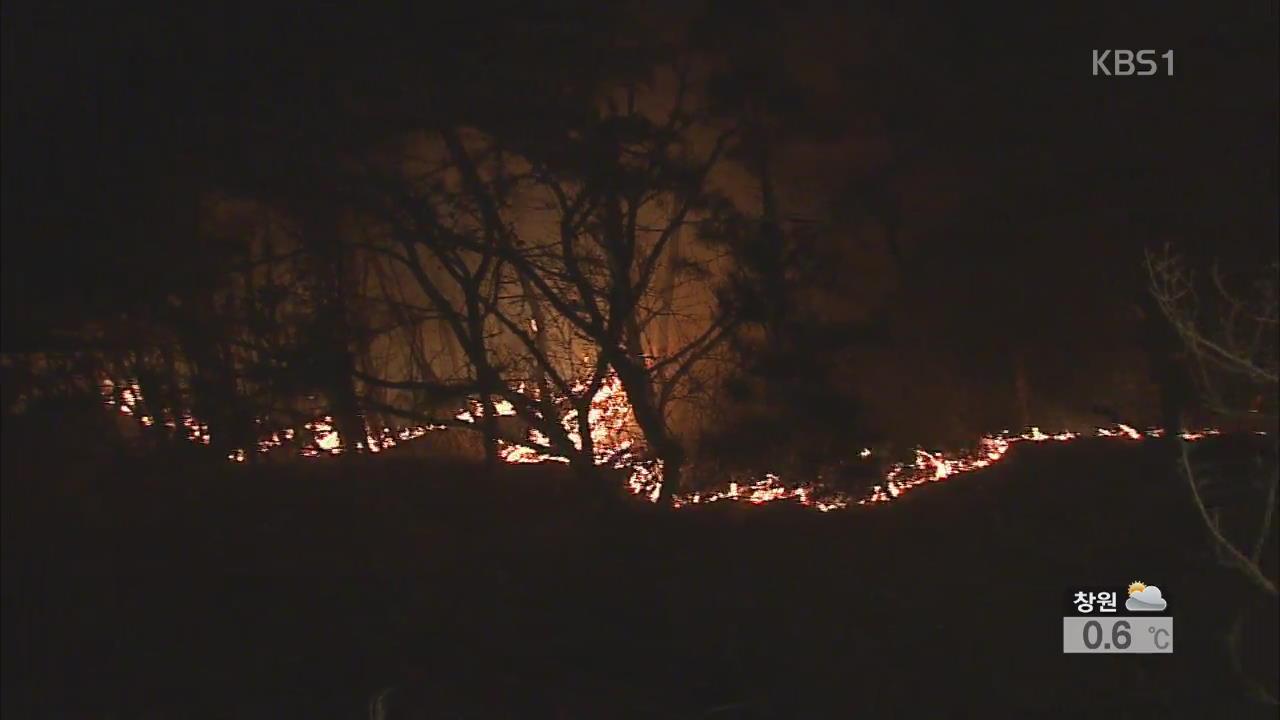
617, 444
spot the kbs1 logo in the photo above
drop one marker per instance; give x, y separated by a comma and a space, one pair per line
1123, 63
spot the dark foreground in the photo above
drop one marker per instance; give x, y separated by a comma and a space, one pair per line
160, 590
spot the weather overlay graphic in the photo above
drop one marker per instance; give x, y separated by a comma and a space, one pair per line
1117, 619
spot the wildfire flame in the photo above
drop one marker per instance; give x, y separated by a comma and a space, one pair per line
615, 442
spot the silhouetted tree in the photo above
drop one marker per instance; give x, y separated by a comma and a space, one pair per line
1228, 327
795, 409
612, 184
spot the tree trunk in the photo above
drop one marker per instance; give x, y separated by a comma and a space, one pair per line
672, 471
586, 443
635, 381
489, 423
215, 398
591, 482
335, 282
347, 417
490, 382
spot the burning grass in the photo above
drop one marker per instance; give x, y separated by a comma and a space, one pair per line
618, 445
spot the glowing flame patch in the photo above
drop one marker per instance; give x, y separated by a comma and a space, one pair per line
617, 443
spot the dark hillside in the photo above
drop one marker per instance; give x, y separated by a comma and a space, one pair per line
161, 590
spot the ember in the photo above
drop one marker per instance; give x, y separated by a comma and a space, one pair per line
616, 445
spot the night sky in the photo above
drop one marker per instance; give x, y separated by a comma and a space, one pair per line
1021, 178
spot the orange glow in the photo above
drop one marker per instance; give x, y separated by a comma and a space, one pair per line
617, 443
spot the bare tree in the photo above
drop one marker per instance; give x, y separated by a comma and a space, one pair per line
1228, 326
543, 246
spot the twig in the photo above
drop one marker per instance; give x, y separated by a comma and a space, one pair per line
1268, 515
1253, 687
1231, 555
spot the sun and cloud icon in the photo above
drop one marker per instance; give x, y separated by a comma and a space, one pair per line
1144, 598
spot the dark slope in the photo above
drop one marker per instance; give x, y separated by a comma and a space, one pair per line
163, 590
